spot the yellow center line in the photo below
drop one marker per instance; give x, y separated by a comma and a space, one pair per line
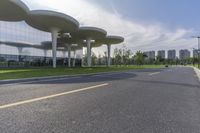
50, 96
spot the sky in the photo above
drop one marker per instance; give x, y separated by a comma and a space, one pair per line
145, 24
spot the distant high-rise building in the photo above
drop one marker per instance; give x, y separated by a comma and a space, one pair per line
172, 54
161, 53
150, 54
184, 54
195, 53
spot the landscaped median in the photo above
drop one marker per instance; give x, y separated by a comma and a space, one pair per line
45, 72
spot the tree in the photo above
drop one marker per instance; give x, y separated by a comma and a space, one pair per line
160, 60
127, 57
94, 59
118, 56
139, 58
99, 59
105, 58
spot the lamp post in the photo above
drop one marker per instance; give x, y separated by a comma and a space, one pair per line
198, 50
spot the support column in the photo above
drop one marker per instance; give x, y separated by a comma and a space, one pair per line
89, 58
20, 49
45, 53
45, 56
198, 52
54, 34
109, 57
74, 61
69, 55
64, 57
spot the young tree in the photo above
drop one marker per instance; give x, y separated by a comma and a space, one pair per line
99, 59
159, 60
94, 59
139, 58
118, 56
127, 57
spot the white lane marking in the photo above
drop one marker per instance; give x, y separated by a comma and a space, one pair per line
50, 96
151, 74
169, 70
38, 81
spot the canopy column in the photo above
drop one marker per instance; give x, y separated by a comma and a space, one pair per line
20, 49
109, 57
74, 61
45, 55
69, 55
89, 58
54, 34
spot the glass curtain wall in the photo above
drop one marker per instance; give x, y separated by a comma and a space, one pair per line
14, 39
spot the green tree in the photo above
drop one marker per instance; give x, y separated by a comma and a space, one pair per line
139, 58
159, 60
94, 59
118, 56
99, 59
127, 57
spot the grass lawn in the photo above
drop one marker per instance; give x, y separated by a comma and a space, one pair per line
196, 65
42, 72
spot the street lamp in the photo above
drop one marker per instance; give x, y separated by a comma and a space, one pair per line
198, 50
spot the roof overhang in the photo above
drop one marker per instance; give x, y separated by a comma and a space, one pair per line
110, 40
92, 33
13, 10
49, 20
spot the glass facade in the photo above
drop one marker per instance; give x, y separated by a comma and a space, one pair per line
22, 33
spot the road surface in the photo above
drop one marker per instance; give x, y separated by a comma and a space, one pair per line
142, 101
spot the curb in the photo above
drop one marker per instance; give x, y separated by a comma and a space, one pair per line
197, 71
61, 76
51, 77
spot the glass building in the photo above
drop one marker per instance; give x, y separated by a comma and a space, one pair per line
20, 33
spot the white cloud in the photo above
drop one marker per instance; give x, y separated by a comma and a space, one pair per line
138, 36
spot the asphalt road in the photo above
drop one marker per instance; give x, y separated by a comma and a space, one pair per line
143, 101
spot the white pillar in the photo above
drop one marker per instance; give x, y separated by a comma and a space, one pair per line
45, 53
109, 57
64, 57
89, 59
69, 55
20, 49
54, 34
74, 61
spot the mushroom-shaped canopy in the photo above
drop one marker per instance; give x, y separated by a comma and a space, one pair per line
94, 44
49, 20
66, 40
17, 44
13, 10
107, 40
73, 48
110, 40
90, 32
46, 45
